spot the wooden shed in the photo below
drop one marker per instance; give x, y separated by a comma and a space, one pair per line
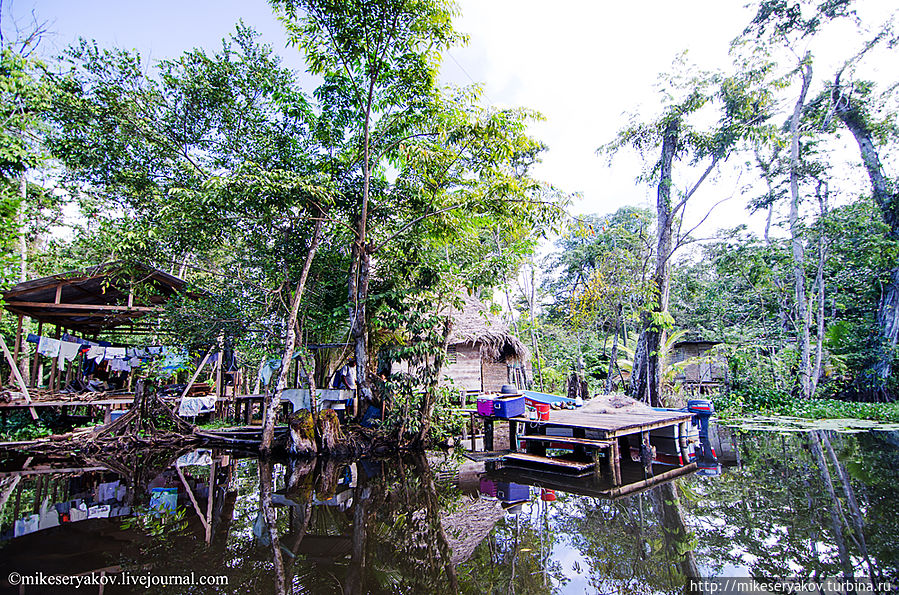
703, 369
482, 355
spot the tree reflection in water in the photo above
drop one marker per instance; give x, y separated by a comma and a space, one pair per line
814, 505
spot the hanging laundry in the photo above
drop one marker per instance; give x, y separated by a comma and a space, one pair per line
115, 353
78, 513
32, 338
96, 353
267, 369
118, 365
193, 406
107, 491
48, 517
98, 512
136, 362
48, 347
156, 350
67, 352
26, 525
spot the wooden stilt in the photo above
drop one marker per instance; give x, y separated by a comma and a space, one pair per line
35, 363
210, 498
645, 452
682, 442
17, 348
488, 434
615, 463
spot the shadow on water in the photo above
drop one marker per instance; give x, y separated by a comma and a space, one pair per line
814, 504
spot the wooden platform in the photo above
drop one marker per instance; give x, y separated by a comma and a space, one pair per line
605, 430
606, 425
565, 465
567, 440
634, 480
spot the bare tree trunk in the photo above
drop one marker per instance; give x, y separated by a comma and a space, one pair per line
646, 378
427, 408
796, 239
613, 356
887, 200
274, 398
836, 521
23, 240
270, 516
858, 521
819, 282
535, 344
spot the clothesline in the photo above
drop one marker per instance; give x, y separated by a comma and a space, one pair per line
121, 359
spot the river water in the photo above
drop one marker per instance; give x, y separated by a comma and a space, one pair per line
810, 504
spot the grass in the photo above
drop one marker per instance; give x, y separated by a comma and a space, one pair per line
730, 405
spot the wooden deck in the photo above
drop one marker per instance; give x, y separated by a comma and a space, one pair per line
634, 480
606, 425
601, 449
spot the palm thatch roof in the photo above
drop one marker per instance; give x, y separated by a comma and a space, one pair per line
477, 326
468, 525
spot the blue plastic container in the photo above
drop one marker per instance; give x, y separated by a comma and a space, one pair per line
508, 407
512, 492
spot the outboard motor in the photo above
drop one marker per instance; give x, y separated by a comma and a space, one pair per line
706, 460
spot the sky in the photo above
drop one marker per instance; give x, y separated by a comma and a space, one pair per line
585, 65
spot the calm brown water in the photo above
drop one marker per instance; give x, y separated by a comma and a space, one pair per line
422, 525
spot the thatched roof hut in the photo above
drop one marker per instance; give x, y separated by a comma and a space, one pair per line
483, 354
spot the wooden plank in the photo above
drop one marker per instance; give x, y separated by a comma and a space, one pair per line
486, 456
34, 364
85, 307
49, 471
568, 440
123, 401
18, 376
640, 486
521, 457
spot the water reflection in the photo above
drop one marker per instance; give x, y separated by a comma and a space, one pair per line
816, 504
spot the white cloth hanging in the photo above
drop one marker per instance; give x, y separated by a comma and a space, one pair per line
48, 347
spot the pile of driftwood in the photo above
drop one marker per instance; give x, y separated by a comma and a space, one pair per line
39, 395
149, 422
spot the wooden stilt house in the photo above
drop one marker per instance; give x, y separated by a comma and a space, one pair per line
482, 353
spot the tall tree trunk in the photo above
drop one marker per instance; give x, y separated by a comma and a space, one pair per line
796, 240
836, 520
646, 378
535, 344
274, 399
613, 356
819, 282
429, 400
887, 199
858, 520
23, 240
269, 515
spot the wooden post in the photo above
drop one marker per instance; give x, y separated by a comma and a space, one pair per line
209, 499
645, 452
488, 433
18, 346
218, 385
682, 442
615, 462
34, 364
18, 376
